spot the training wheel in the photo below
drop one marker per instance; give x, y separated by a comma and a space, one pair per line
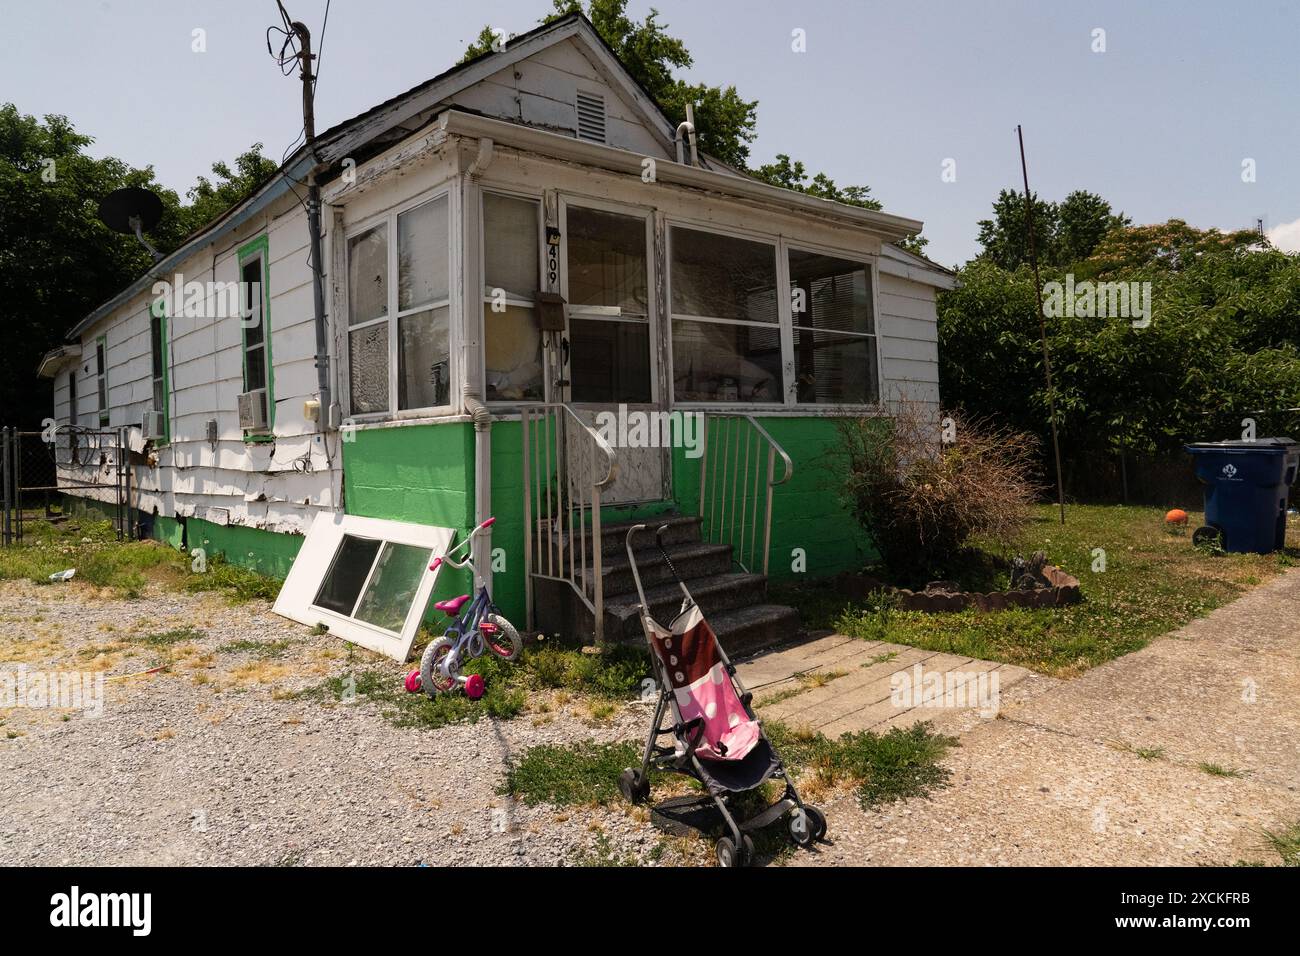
413, 682
474, 686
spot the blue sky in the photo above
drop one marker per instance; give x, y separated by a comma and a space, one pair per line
1159, 123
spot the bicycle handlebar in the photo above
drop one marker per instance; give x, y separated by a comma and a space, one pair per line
468, 559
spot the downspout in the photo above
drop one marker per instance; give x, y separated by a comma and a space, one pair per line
482, 483
482, 423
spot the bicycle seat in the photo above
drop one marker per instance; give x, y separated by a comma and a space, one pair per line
452, 606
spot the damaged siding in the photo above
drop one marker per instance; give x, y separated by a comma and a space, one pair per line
274, 485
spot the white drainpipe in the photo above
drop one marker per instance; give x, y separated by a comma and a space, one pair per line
482, 484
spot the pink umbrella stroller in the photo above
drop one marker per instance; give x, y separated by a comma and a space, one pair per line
717, 738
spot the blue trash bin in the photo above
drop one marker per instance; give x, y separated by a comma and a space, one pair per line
1247, 484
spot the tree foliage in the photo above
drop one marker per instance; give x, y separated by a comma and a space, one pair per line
1222, 341
1064, 232
57, 260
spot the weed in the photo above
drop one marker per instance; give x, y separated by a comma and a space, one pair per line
563, 775
1286, 843
167, 638
260, 649
417, 710
1218, 770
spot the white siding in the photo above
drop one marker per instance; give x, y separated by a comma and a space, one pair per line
273, 485
909, 343
541, 91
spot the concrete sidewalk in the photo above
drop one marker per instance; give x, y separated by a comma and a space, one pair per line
839, 684
1057, 779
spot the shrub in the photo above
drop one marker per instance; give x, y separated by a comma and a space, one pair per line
922, 499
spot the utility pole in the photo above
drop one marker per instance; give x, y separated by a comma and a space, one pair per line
295, 29
1042, 326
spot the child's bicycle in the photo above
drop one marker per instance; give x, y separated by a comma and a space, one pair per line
479, 626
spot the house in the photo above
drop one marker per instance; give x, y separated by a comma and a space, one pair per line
518, 255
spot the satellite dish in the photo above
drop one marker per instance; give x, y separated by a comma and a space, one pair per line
132, 211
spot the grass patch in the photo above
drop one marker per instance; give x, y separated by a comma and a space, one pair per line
570, 774
805, 682
240, 584
264, 650
100, 559
167, 638
1153, 582
882, 768
1286, 843
1218, 770
92, 548
416, 710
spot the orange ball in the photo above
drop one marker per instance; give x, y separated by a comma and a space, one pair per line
1176, 516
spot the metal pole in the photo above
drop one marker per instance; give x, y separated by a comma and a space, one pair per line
1042, 326
4, 479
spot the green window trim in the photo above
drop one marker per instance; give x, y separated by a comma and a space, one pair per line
159, 312
255, 248
101, 378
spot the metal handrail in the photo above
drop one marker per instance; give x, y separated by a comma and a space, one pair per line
726, 481
554, 495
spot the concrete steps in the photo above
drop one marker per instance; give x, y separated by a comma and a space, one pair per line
733, 601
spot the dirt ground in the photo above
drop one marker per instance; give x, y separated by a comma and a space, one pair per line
217, 760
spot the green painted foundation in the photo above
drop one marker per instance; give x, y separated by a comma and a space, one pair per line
269, 553
418, 473
266, 552
425, 474
807, 513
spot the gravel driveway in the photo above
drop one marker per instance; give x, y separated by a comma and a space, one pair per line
214, 762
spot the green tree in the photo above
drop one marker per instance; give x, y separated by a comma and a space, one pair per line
58, 262
1064, 233
208, 199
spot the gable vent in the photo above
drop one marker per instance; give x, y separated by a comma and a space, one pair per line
591, 117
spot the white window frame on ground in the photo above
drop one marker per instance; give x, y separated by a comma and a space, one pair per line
782, 246
604, 314
511, 299
315, 560
388, 221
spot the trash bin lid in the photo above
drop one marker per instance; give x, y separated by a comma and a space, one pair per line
1279, 444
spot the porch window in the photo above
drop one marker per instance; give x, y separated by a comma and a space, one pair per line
609, 310
72, 397
399, 312
834, 330
511, 279
726, 326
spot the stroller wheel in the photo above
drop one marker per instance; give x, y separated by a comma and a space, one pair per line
731, 855
634, 787
727, 853
807, 826
801, 828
